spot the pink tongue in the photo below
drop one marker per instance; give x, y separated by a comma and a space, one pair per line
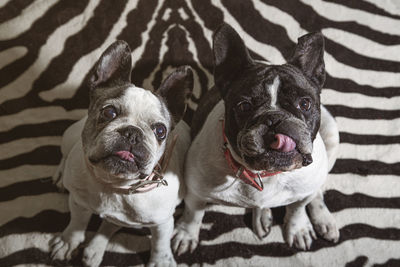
283, 143
125, 155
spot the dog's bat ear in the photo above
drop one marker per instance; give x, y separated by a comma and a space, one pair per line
230, 57
176, 90
309, 57
113, 67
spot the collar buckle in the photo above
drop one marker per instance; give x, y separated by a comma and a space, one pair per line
163, 182
259, 181
159, 182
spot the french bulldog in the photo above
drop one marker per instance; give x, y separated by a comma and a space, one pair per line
124, 160
257, 143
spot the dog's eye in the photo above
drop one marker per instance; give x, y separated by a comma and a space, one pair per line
304, 104
109, 113
160, 131
244, 106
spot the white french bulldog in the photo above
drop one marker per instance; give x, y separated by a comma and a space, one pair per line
261, 145
124, 160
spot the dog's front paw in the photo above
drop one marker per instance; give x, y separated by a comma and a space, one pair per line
92, 256
162, 261
183, 240
262, 222
325, 225
299, 233
62, 249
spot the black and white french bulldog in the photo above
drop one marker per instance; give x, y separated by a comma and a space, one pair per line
124, 160
261, 146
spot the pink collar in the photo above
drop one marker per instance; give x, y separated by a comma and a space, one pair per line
247, 176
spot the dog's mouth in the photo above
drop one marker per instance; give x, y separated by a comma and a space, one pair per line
275, 161
279, 152
125, 155
126, 159
126, 173
283, 143
120, 162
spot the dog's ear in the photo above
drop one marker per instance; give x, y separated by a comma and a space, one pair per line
230, 57
176, 89
309, 57
112, 68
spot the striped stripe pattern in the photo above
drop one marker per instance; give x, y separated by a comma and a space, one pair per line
48, 46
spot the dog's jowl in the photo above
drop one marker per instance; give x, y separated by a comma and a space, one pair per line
265, 142
124, 160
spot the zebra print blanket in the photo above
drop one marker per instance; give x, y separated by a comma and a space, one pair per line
48, 46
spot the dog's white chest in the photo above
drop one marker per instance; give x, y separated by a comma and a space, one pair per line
281, 189
148, 208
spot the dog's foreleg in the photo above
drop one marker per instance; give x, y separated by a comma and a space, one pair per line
94, 251
188, 227
262, 222
63, 246
161, 254
322, 219
298, 230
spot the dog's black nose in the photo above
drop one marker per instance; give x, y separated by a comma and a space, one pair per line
132, 133
307, 159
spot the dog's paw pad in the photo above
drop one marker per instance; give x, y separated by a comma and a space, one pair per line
262, 222
183, 242
300, 235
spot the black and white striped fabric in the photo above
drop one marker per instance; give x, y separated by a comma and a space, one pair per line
48, 46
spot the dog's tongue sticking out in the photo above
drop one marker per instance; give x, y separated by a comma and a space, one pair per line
125, 155
283, 143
